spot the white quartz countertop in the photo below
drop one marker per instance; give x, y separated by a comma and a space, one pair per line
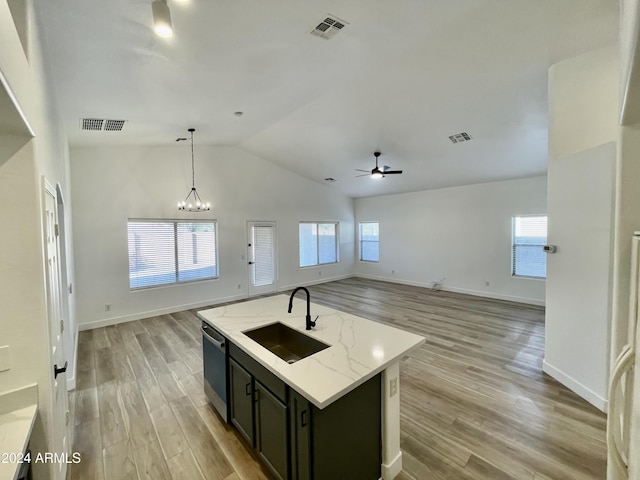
359, 348
18, 410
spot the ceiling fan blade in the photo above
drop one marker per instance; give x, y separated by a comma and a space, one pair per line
360, 170
365, 175
392, 172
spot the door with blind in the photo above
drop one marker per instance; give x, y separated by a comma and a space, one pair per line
262, 255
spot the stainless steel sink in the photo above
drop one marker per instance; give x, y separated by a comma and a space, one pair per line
287, 343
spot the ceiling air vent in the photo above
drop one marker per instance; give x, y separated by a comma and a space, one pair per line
113, 125
328, 27
460, 137
92, 123
101, 124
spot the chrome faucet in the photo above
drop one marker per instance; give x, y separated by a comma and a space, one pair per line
309, 324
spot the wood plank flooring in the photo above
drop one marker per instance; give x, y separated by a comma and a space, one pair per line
474, 401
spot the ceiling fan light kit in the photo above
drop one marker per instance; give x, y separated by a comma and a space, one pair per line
377, 172
161, 18
193, 202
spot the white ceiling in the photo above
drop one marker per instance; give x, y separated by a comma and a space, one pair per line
401, 78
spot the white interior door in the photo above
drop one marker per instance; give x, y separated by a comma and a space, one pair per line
262, 255
580, 202
59, 410
69, 331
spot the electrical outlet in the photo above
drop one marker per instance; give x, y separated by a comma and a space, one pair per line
487, 284
5, 359
393, 387
393, 272
107, 307
239, 286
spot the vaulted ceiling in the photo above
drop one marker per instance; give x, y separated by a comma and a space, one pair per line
400, 77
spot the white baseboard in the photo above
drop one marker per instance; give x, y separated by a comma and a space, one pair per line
576, 387
154, 313
476, 293
391, 470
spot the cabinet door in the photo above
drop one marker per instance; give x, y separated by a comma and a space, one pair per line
241, 385
272, 432
300, 411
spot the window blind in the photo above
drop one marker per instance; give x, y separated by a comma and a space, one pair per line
529, 236
163, 252
263, 272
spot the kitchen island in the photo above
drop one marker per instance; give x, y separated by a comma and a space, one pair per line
359, 350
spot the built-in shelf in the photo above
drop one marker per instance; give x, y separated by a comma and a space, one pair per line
15, 130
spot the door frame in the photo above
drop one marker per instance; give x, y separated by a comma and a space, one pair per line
251, 291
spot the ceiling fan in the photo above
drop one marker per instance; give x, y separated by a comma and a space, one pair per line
378, 172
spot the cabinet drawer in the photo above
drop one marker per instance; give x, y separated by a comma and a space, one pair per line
268, 379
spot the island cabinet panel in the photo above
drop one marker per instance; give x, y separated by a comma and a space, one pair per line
272, 435
241, 386
260, 411
343, 440
300, 411
295, 439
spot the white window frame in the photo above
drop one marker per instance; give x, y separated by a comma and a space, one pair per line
360, 242
513, 246
175, 223
337, 226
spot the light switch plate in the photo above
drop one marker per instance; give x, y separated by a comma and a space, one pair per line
5, 358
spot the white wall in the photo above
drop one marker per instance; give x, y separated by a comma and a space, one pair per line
113, 184
583, 112
583, 102
461, 233
23, 316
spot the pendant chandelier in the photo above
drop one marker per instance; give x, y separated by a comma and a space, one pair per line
193, 202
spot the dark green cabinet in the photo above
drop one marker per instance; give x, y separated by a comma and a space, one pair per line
295, 439
343, 440
272, 436
300, 411
260, 412
241, 385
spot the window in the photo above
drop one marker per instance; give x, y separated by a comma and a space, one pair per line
318, 243
162, 252
529, 236
369, 242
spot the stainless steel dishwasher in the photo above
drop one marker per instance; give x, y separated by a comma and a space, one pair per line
214, 356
